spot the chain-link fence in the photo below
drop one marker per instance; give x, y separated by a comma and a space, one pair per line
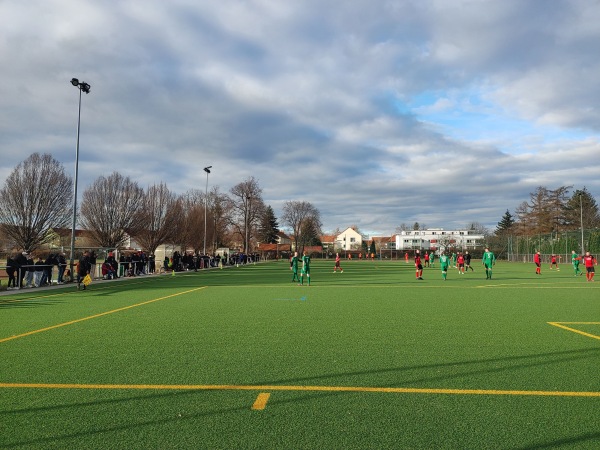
561, 244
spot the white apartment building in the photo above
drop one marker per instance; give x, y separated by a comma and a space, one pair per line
438, 239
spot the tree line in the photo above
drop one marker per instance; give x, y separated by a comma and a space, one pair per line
551, 221
37, 198
551, 211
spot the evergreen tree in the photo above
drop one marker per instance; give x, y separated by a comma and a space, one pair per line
505, 224
269, 227
373, 249
582, 203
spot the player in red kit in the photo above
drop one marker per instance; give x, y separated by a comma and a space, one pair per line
538, 263
554, 262
589, 261
337, 264
418, 266
461, 263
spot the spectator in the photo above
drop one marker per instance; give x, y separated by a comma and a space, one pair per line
39, 272
30, 272
108, 272
61, 261
21, 265
152, 263
50, 262
112, 262
11, 268
84, 267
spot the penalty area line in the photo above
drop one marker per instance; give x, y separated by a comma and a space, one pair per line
264, 398
574, 330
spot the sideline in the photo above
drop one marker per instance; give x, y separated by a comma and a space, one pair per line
231, 387
97, 315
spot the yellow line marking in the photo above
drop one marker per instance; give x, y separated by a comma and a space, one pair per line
261, 401
231, 387
95, 316
583, 333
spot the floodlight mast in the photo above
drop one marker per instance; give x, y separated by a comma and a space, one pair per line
207, 170
83, 87
581, 220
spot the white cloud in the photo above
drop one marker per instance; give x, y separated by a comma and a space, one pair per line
303, 96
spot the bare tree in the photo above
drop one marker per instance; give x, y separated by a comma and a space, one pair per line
247, 206
190, 226
557, 207
545, 212
402, 227
189, 231
36, 197
111, 210
478, 228
159, 214
295, 215
219, 215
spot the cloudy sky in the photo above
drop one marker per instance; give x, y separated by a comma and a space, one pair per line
379, 113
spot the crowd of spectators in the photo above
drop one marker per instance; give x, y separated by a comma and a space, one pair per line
26, 271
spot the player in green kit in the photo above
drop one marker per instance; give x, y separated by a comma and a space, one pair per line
294, 267
444, 262
305, 269
488, 260
575, 261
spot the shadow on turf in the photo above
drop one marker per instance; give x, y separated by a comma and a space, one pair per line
583, 438
28, 303
116, 428
555, 357
523, 361
563, 442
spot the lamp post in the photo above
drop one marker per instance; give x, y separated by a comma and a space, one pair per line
83, 87
249, 198
581, 221
207, 170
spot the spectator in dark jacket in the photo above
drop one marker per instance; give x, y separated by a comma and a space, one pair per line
50, 262
30, 272
84, 267
11, 269
62, 265
21, 261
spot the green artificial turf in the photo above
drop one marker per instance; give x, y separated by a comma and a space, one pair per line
178, 361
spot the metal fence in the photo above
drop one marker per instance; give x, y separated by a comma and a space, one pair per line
522, 248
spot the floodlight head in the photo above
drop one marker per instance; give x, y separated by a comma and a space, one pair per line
206, 169
85, 87
75, 82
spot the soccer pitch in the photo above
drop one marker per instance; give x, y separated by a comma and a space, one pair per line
244, 358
